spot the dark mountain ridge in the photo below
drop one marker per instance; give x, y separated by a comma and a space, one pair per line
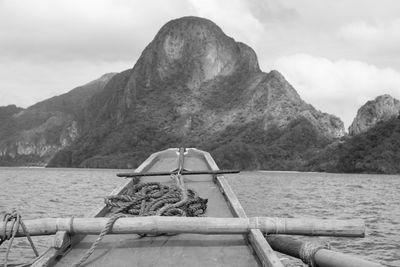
195, 86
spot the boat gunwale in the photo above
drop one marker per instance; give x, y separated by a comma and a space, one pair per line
255, 238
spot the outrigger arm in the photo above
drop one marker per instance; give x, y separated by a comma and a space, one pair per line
183, 172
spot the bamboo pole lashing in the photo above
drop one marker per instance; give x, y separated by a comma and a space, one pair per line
197, 225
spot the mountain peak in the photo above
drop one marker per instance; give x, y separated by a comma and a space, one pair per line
276, 74
198, 50
381, 108
184, 24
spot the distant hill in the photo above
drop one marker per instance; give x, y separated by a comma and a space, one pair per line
374, 151
382, 108
194, 86
373, 145
377, 150
32, 136
8, 125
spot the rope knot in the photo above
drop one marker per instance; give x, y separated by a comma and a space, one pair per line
308, 250
11, 216
15, 219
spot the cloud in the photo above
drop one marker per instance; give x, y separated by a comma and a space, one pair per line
101, 30
381, 36
47, 47
338, 87
271, 12
234, 17
26, 83
258, 23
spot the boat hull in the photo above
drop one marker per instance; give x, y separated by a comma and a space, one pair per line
169, 250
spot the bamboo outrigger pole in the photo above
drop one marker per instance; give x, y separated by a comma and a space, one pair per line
180, 170
183, 172
322, 257
195, 225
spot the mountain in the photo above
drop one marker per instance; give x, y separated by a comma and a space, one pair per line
34, 135
7, 123
376, 150
373, 145
382, 108
195, 86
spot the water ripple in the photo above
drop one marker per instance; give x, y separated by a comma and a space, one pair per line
373, 198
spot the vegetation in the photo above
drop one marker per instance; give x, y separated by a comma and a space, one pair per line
246, 146
22, 160
43, 123
125, 147
295, 147
123, 137
375, 151
252, 147
7, 123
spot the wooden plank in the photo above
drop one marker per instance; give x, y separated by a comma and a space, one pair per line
61, 245
62, 240
263, 250
233, 201
46, 258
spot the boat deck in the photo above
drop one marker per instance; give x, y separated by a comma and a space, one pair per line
173, 250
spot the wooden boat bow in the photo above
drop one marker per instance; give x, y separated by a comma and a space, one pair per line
225, 237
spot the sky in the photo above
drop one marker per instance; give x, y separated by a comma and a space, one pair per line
336, 54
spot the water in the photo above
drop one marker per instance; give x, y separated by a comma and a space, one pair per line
38, 192
373, 198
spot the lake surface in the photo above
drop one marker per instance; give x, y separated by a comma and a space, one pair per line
39, 192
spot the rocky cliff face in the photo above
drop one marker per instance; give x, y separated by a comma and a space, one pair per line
191, 84
382, 108
205, 75
34, 135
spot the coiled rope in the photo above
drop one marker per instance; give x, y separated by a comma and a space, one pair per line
15, 219
151, 199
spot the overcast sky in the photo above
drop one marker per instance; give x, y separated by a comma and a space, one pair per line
337, 54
